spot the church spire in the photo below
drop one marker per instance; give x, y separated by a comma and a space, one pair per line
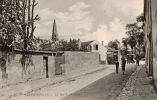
54, 32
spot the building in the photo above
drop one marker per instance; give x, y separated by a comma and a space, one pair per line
95, 46
54, 32
150, 28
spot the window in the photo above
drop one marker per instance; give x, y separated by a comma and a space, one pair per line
96, 47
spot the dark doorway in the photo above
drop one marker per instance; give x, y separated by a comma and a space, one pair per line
45, 59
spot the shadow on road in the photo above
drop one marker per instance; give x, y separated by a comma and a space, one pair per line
106, 88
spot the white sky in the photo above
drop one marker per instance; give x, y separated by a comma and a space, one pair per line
102, 20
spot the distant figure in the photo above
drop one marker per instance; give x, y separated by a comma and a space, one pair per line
123, 65
3, 67
137, 60
117, 66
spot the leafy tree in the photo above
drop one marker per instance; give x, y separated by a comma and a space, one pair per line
9, 23
17, 20
132, 42
125, 42
135, 33
28, 20
73, 45
124, 50
61, 45
114, 44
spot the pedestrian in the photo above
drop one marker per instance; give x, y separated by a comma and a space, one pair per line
3, 67
117, 66
137, 60
123, 65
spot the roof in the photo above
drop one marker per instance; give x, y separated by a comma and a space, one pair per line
110, 49
31, 52
86, 43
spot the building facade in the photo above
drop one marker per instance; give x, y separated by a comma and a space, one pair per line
95, 46
150, 28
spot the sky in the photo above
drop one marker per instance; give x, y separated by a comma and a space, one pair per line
102, 20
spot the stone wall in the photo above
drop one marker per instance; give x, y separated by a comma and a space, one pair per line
79, 61
16, 73
70, 64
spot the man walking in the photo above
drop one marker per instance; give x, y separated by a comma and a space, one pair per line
117, 66
137, 60
123, 65
3, 67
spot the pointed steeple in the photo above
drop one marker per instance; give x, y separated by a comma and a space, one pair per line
54, 32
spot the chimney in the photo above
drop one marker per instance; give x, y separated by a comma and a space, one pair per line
102, 42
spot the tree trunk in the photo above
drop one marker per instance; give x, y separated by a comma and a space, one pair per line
24, 23
32, 19
28, 27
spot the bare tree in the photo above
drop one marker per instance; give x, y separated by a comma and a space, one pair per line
28, 22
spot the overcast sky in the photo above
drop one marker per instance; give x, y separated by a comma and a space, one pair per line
102, 20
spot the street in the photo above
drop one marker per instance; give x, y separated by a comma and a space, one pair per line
102, 85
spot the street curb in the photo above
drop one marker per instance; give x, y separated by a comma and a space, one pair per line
53, 83
127, 91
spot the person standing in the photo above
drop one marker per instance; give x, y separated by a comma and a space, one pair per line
137, 60
117, 66
123, 65
3, 67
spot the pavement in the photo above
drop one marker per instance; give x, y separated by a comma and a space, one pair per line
13, 90
139, 86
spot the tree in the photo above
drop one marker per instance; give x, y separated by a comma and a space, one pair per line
124, 51
132, 42
73, 45
114, 44
61, 45
125, 42
17, 20
135, 33
28, 21
9, 23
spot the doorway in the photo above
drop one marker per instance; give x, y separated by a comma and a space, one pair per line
45, 60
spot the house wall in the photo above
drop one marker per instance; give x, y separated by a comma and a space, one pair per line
154, 36
101, 50
150, 13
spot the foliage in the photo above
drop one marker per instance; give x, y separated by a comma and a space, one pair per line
17, 27
73, 45
114, 44
9, 23
125, 42
135, 33
17, 23
61, 45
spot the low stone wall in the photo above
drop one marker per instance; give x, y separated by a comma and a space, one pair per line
70, 64
79, 61
16, 73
